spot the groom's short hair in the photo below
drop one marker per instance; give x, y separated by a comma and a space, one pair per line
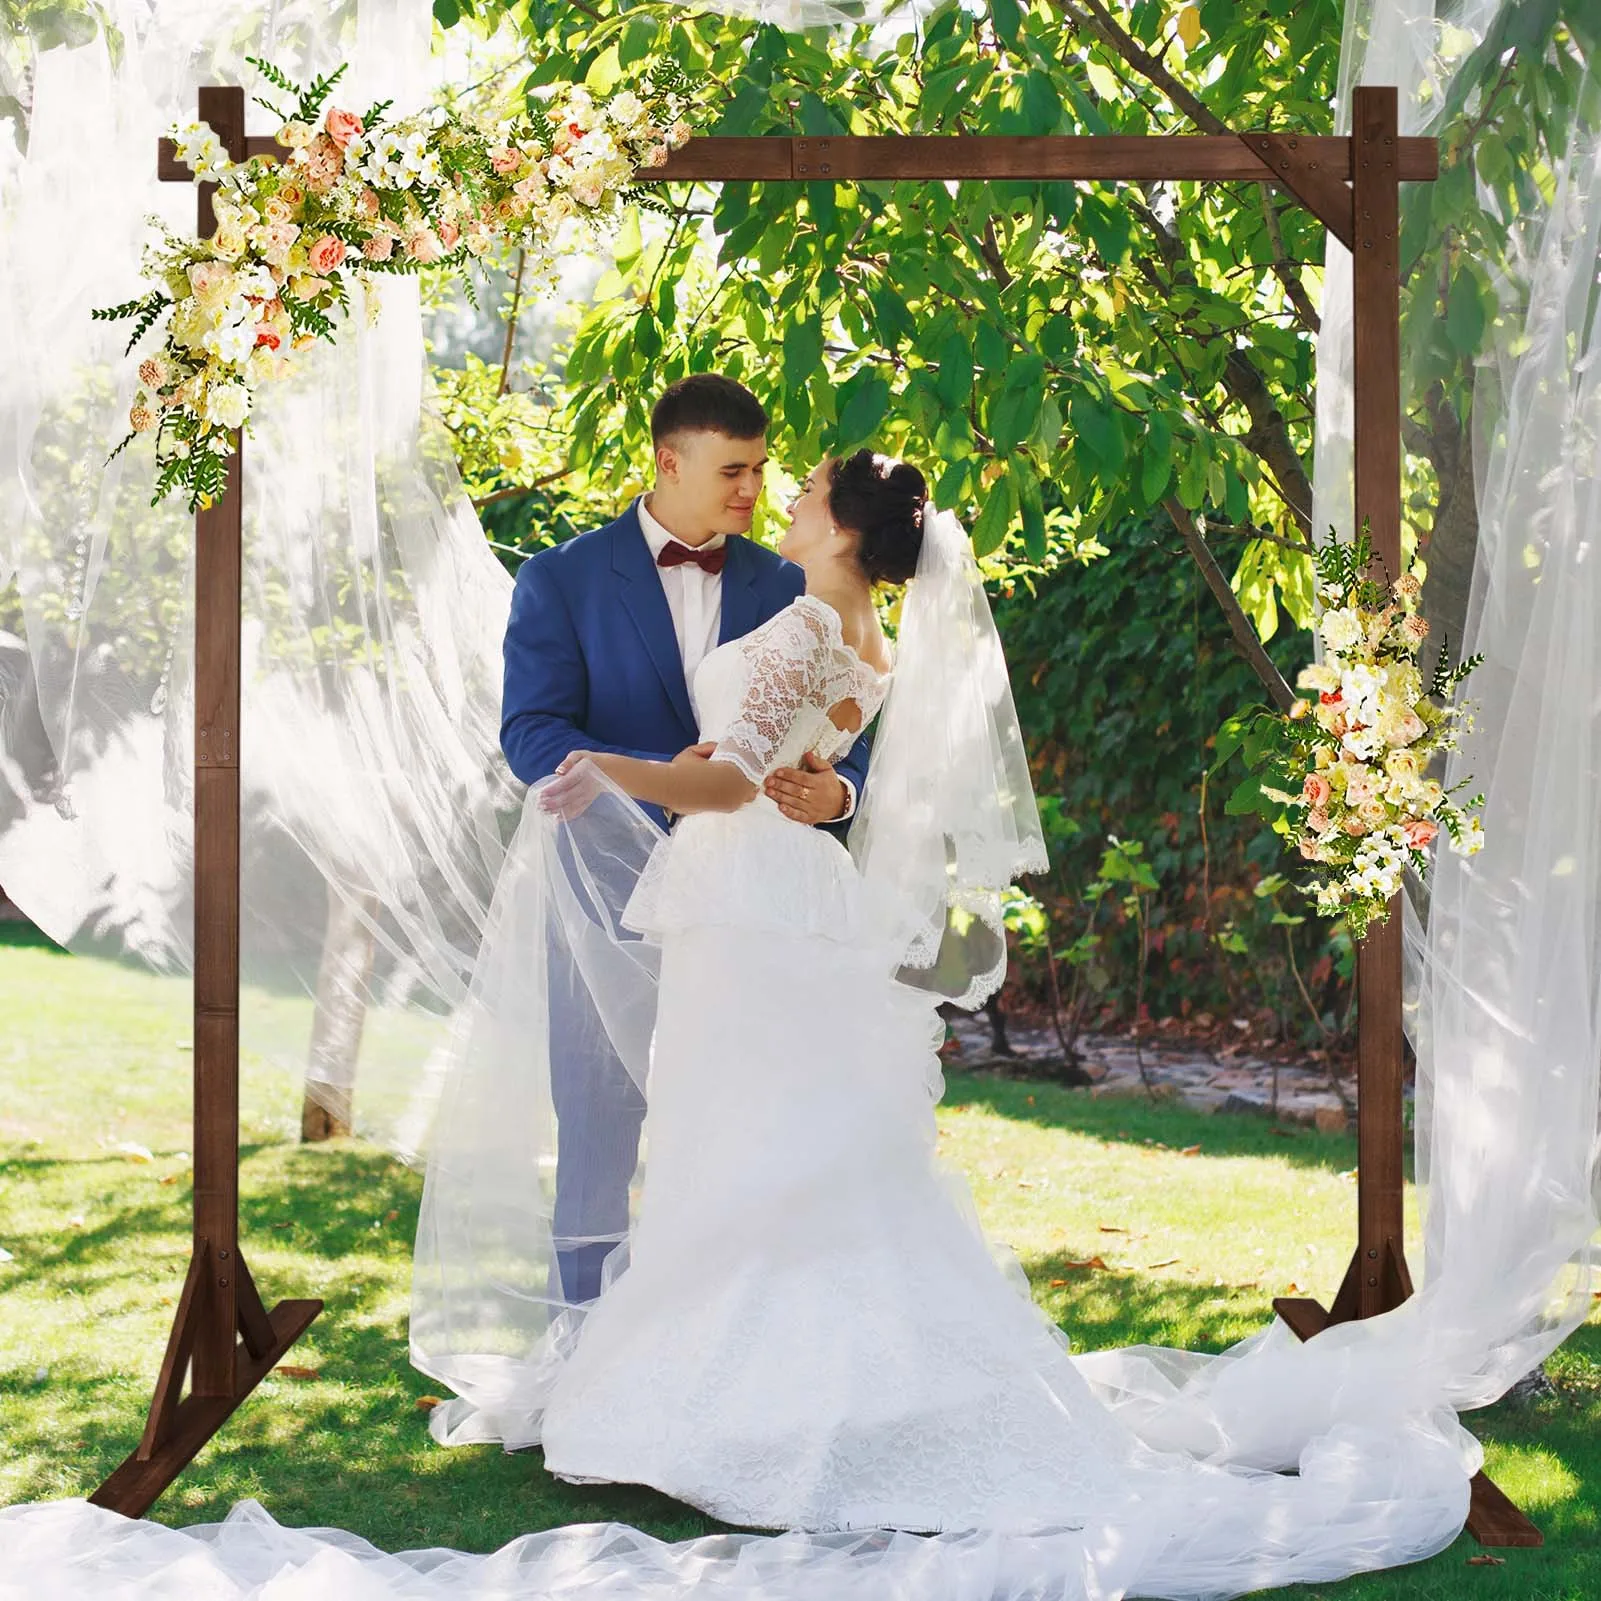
707, 402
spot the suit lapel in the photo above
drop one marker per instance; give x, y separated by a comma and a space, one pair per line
645, 601
741, 604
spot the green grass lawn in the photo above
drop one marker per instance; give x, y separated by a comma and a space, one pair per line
1198, 1221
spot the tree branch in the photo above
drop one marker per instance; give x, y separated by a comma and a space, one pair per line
511, 324
1282, 269
1245, 636
1100, 22
520, 489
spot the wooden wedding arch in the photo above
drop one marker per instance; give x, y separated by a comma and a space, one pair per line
223, 1336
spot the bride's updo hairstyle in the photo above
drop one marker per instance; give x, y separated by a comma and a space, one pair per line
883, 500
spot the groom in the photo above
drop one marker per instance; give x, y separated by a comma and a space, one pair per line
605, 634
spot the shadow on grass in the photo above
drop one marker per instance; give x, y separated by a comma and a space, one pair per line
1136, 1120
24, 936
347, 1445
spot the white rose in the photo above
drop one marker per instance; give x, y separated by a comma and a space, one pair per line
227, 405
626, 109
1340, 629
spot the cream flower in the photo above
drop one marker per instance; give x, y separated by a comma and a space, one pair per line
227, 405
626, 109
1341, 628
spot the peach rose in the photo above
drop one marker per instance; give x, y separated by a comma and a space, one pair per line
449, 234
326, 253
267, 337
1316, 789
343, 126
1420, 834
506, 160
1317, 820
207, 275
291, 193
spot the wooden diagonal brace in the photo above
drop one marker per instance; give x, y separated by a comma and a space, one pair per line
1310, 178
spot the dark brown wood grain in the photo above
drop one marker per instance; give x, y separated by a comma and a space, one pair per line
1376, 305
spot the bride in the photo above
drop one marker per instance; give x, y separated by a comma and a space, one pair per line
806, 1328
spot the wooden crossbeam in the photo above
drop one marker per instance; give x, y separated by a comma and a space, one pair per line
1112, 158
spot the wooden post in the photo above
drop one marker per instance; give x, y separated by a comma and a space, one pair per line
221, 1333
1377, 1279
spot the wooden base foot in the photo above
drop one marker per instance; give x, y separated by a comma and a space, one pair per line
132, 1489
1493, 1519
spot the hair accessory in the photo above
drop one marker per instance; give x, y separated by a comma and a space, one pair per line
884, 464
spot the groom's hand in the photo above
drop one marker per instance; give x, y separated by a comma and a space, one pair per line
811, 793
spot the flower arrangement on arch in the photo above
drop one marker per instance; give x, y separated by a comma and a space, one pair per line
1344, 773
359, 196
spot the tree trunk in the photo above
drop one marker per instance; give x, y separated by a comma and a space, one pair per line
347, 957
1454, 539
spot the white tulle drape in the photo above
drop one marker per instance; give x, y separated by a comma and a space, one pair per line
375, 801
376, 807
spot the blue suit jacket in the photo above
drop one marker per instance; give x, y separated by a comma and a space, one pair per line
592, 660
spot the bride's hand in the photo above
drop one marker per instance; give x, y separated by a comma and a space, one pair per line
696, 753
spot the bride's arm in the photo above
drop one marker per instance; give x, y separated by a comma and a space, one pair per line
688, 783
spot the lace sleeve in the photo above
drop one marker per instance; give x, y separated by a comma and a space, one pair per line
792, 666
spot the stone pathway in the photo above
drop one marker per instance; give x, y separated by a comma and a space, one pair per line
1229, 1079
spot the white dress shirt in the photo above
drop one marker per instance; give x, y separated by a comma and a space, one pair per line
695, 599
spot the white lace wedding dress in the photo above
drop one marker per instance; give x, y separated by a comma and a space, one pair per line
811, 1332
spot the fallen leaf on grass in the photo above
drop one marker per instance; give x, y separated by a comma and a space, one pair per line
288, 1372
1117, 1228
1485, 1560
426, 1403
1093, 1261
134, 1153
1168, 1261
389, 1217
1191, 1150
1293, 1289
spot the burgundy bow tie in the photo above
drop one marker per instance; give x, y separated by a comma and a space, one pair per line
709, 561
